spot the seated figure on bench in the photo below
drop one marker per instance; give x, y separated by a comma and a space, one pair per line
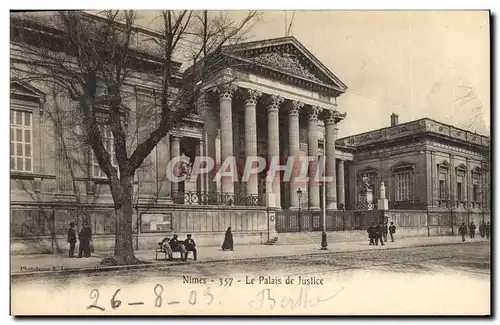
178, 246
190, 246
166, 247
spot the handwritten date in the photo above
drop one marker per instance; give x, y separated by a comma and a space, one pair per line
158, 300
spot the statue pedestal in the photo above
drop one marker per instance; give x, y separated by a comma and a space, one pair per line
383, 204
369, 199
190, 193
271, 200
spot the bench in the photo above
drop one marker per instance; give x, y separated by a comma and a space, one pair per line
161, 250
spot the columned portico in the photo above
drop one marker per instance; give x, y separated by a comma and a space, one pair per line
273, 150
293, 108
312, 134
331, 129
226, 127
175, 151
340, 184
251, 97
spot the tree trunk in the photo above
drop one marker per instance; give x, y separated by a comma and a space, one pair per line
124, 249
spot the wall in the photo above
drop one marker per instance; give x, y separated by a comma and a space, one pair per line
36, 230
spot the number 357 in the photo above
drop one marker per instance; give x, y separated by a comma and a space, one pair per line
226, 282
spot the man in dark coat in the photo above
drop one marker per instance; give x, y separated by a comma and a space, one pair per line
178, 246
392, 231
371, 234
84, 236
487, 230
472, 230
386, 230
190, 246
463, 231
482, 229
71, 239
379, 230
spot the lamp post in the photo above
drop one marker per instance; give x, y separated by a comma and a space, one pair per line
299, 196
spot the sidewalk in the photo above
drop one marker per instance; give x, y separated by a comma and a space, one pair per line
44, 264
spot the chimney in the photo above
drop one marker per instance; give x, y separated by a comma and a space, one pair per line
394, 119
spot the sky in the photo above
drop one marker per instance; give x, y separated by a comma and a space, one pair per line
416, 64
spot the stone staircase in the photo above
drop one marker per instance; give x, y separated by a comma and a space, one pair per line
301, 238
271, 241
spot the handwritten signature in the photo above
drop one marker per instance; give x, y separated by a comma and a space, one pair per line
304, 299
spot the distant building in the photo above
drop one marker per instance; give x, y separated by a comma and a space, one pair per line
281, 102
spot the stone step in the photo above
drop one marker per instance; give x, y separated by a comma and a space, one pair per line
315, 237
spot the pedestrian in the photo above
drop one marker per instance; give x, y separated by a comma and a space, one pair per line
166, 247
379, 230
463, 231
71, 239
392, 231
228, 240
85, 235
385, 231
472, 230
371, 234
482, 229
178, 246
190, 246
487, 230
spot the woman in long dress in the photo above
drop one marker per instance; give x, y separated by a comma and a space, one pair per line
228, 240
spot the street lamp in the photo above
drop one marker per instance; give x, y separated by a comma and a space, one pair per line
299, 196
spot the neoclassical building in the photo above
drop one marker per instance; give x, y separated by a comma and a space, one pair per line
269, 98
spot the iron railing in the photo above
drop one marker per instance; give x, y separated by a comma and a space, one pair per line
306, 220
217, 198
407, 205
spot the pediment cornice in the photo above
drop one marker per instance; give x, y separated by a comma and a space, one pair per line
287, 58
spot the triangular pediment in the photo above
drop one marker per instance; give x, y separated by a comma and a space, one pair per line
288, 56
25, 89
403, 165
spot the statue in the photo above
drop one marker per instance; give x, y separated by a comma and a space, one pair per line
382, 190
366, 182
185, 167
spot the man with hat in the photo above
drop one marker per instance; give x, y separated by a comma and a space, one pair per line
178, 246
190, 246
71, 239
85, 235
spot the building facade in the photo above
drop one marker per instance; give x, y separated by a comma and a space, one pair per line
270, 98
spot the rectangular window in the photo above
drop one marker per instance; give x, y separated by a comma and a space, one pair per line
475, 193
21, 140
403, 186
442, 189
459, 191
108, 142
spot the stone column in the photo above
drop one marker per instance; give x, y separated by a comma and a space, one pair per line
273, 148
340, 183
312, 134
251, 97
294, 148
200, 152
226, 131
332, 118
175, 151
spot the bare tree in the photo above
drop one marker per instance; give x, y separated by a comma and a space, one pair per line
92, 58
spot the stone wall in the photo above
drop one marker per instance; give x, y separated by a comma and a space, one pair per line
35, 230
